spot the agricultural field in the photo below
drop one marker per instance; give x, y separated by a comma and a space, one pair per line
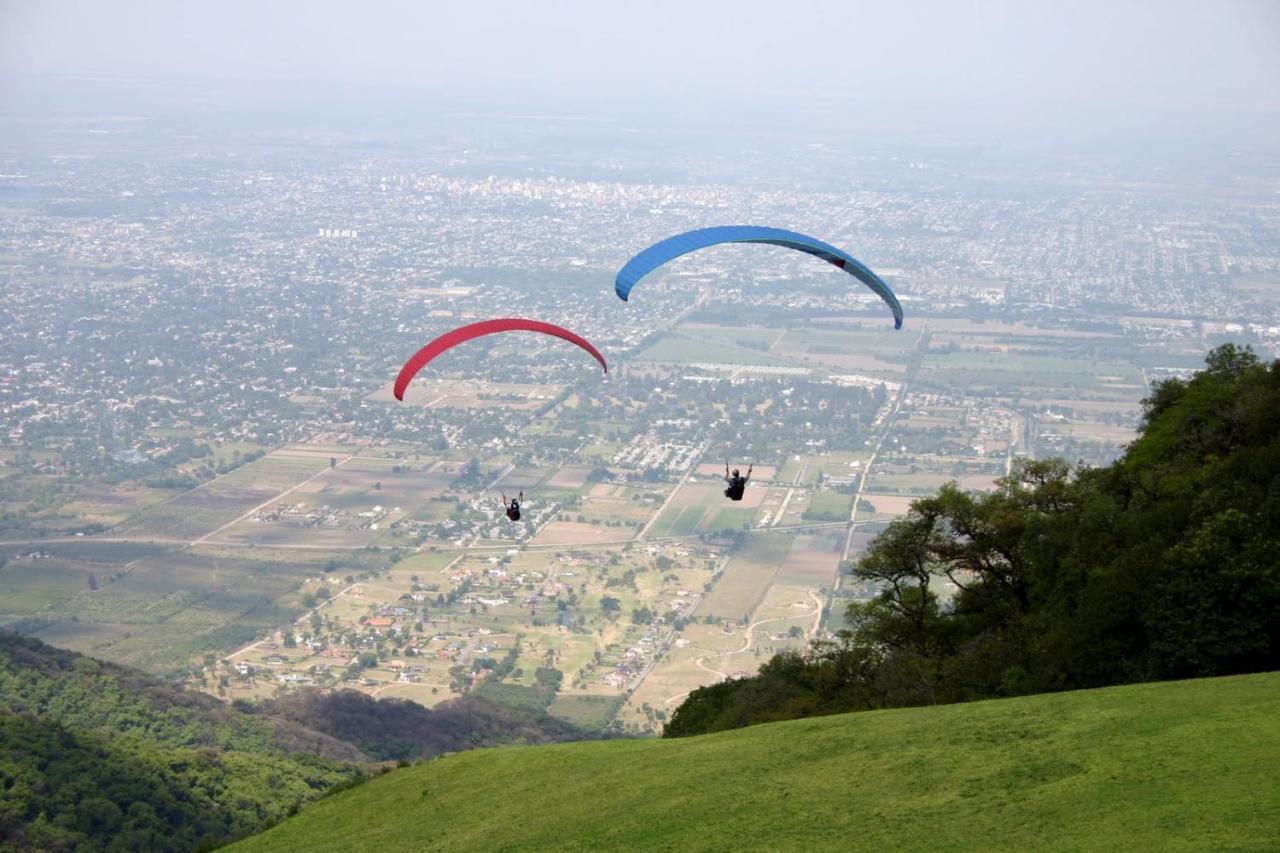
828, 506
746, 578
569, 478
352, 503
752, 337
616, 505
812, 559
221, 501
1021, 373
559, 532
866, 350
900, 479
713, 471
35, 585
1088, 376
702, 506
107, 506
701, 345
469, 394
517, 477
588, 712
885, 505
156, 612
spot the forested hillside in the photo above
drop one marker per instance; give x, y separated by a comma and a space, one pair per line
96, 754
77, 789
1162, 565
80, 692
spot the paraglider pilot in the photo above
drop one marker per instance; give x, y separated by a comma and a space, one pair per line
513, 505
737, 483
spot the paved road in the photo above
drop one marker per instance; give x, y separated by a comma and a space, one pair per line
886, 428
437, 546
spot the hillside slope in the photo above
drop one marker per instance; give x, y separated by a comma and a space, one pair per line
94, 755
1154, 766
99, 756
70, 689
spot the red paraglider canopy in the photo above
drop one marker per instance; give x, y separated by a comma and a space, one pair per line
476, 330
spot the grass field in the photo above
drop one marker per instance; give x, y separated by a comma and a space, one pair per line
29, 586
578, 533
1172, 766
812, 559
38, 591
747, 577
887, 506
791, 468
730, 518
569, 477
829, 506
702, 506
1025, 373
688, 348
588, 712
922, 483
847, 348
682, 515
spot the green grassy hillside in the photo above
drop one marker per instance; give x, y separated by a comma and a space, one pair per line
1152, 766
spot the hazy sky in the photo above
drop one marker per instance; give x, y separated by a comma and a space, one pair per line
1113, 56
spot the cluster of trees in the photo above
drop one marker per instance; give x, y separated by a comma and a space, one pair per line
26, 503
1161, 565
469, 475
71, 789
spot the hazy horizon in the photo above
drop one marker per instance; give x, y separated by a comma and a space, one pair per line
972, 71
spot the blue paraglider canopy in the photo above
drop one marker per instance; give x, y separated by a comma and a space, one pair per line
681, 244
